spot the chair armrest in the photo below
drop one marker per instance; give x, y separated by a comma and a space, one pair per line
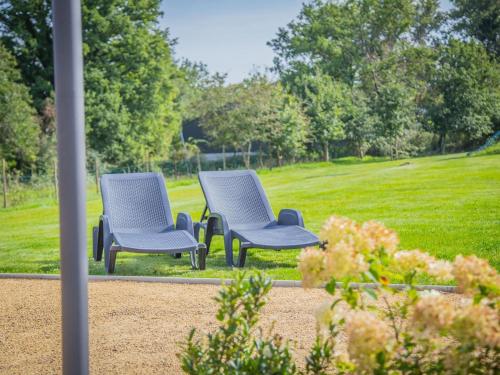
104, 224
288, 216
184, 222
218, 222
105, 237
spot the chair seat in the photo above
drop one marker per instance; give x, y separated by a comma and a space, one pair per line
277, 237
174, 241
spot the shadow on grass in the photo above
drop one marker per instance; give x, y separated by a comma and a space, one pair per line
167, 266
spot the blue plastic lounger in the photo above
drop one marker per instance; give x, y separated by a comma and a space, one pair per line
137, 218
239, 209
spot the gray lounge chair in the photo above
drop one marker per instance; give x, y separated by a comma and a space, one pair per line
137, 218
239, 209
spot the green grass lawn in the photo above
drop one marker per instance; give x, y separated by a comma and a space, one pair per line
447, 205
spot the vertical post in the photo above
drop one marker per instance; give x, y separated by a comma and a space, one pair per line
97, 175
223, 157
56, 182
4, 183
68, 66
198, 160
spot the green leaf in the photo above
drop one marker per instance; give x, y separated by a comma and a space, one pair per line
331, 286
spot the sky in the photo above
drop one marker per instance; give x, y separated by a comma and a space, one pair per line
229, 35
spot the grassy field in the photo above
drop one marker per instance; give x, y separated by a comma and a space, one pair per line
446, 205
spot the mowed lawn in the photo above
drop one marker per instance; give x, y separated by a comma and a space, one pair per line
447, 205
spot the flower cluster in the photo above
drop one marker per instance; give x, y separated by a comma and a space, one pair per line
412, 260
367, 336
407, 261
473, 273
433, 313
379, 237
478, 323
348, 249
312, 266
326, 316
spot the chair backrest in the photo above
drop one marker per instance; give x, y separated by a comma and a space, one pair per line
136, 202
239, 196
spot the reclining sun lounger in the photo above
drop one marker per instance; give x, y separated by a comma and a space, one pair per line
137, 218
239, 209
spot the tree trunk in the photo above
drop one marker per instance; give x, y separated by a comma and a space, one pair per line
198, 160
246, 155
223, 157
261, 162
326, 152
442, 143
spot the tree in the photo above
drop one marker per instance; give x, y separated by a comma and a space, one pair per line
340, 38
129, 80
479, 19
18, 127
324, 104
288, 133
463, 97
359, 122
26, 31
128, 74
380, 50
212, 108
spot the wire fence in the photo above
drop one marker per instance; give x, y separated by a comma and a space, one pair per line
20, 189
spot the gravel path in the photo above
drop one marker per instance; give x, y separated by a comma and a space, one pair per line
134, 327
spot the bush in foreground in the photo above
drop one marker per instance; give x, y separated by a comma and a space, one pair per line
413, 333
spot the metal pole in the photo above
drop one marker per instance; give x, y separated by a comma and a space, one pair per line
68, 65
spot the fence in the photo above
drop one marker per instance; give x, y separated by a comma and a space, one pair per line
43, 188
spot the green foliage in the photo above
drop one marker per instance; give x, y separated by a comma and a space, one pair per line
129, 73
379, 50
479, 19
289, 130
18, 128
239, 346
359, 122
324, 103
464, 93
26, 31
256, 110
129, 81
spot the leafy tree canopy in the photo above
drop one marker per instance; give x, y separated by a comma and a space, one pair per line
18, 127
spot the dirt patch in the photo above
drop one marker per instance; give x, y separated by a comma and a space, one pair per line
134, 327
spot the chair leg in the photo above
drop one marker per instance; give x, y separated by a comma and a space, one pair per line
110, 259
197, 228
228, 247
242, 257
209, 234
202, 257
98, 235
95, 239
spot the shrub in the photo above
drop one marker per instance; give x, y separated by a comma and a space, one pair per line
419, 333
413, 333
239, 346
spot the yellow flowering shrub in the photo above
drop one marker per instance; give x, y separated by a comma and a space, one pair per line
473, 274
422, 333
367, 337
